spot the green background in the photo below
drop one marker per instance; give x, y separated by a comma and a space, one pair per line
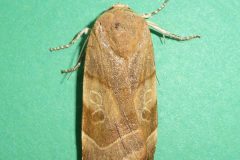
198, 94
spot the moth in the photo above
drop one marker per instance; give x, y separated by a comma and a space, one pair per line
119, 119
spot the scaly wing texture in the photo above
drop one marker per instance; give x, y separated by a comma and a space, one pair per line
119, 92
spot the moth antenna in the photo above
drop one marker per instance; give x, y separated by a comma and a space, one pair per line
75, 38
163, 39
148, 15
157, 80
74, 69
156, 74
82, 49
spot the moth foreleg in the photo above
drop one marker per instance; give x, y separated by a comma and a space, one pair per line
76, 37
148, 15
171, 35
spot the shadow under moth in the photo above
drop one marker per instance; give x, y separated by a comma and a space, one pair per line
119, 119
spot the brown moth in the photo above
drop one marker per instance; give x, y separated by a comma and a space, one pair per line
119, 90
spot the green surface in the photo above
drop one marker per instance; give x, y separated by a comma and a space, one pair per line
198, 95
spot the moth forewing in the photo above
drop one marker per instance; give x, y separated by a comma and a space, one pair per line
119, 119
120, 71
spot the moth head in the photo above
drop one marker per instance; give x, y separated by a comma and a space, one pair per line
119, 5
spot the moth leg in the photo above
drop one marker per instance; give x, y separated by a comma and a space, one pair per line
75, 38
78, 61
171, 35
72, 69
148, 15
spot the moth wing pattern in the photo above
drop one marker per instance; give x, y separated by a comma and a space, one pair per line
119, 119
119, 89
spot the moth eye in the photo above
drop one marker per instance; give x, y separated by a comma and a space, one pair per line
146, 114
98, 116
